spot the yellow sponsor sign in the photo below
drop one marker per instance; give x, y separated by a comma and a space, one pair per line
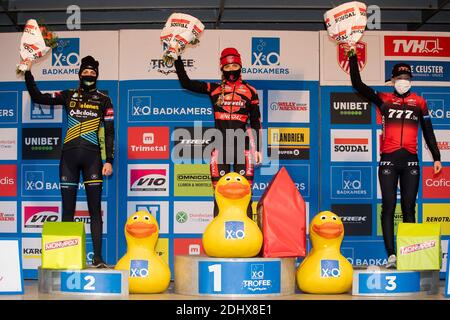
437, 213
289, 136
162, 249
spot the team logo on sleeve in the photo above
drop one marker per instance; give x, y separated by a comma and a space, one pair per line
109, 115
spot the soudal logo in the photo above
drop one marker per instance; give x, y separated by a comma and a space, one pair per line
148, 142
148, 180
418, 247
61, 244
167, 67
343, 58
8, 180
351, 145
35, 216
425, 46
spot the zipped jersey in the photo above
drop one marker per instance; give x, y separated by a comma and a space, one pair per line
85, 113
401, 115
240, 103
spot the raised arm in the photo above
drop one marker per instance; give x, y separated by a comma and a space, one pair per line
360, 86
192, 85
42, 98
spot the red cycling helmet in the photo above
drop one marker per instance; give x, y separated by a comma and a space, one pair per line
230, 55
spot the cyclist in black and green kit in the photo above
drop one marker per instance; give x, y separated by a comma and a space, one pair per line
86, 109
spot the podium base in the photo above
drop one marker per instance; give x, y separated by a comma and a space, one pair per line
89, 281
234, 277
376, 281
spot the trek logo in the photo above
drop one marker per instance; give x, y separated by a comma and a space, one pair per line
8, 106
148, 180
357, 218
139, 269
66, 53
265, 51
425, 46
257, 271
329, 269
34, 216
234, 230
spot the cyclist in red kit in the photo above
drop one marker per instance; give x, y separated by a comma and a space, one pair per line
402, 111
235, 104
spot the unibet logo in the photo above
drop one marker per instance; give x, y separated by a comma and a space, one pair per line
329, 269
139, 269
181, 217
234, 230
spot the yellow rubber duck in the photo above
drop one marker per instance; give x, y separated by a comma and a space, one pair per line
148, 273
325, 270
232, 234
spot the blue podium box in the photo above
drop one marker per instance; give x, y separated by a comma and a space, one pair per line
447, 281
238, 277
376, 281
85, 282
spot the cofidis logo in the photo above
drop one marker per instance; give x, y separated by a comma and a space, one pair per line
8, 180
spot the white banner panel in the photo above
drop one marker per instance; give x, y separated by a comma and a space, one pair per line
63, 61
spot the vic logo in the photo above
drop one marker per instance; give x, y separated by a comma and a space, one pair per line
66, 53
257, 271
329, 269
265, 51
139, 268
234, 230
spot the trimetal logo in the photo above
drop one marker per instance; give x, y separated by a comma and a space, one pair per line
329, 269
234, 230
139, 269
194, 249
427, 46
66, 53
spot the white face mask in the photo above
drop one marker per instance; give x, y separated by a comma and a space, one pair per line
402, 85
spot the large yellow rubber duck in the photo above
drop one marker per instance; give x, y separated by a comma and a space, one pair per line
232, 234
148, 273
325, 270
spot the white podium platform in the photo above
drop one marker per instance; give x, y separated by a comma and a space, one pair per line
89, 281
234, 277
376, 281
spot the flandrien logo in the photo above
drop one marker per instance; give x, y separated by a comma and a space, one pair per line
417, 247
266, 57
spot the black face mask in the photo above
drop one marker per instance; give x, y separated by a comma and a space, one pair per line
232, 76
88, 83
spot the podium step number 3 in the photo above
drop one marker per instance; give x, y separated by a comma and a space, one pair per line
11, 277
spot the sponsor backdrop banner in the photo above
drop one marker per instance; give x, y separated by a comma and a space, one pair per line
31, 137
165, 130
350, 131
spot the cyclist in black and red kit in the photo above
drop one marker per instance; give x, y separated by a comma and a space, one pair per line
86, 109
235, 103
401, 111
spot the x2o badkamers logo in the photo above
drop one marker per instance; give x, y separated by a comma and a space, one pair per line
266, 57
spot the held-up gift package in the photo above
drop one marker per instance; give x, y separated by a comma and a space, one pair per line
63, 245
282, 218
419, 246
